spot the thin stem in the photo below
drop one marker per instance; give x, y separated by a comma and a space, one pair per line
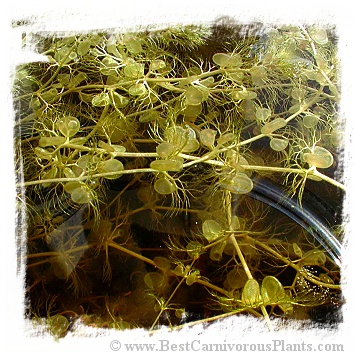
123, 85
267, 318
167, 303
311, 171
60, 65
240, 254
208, 319
307, 275
119, 195
170, 272
329, 180
131, 253
83, 178
113, 153
207, 157
294, 115
212, 286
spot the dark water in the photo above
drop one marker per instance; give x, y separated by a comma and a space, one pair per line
117, 265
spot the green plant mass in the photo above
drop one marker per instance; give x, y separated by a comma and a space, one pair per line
179, 176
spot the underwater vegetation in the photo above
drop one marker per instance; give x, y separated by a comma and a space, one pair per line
179, 176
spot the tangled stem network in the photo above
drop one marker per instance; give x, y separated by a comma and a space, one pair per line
137, 154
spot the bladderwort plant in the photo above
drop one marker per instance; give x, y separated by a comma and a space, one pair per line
162, 175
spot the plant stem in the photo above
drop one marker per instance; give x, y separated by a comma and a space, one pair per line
167, 303
311, 171
60, 65
329, 180
229, 210
307, 275
131, 253
83, 178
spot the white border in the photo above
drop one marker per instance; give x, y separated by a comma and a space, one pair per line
86, 15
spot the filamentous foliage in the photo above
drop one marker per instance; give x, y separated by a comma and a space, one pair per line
137, 157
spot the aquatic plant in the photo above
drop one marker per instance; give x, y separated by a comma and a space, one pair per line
139, 156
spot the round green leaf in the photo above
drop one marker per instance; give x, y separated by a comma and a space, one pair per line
227, 60
137, 90
50, 174
167, 165
164, 186
64, 55
278, 144
109, 62
262, 114
193, 110
68, 126
319, 157
194, 249
68, 172
64, 78
157, 65
273, 125
258, 72
101, 100
226, 138
193, 96
319, 36
81, 195
50, 95
242, 94
207, 82
43, 154
133, 44
162, 263
211, 230
208, 137
119, 100
150, 116
251, 293
191, 145
238, 183
58, 325
51, 141
236, 76
176, 135
134, 70
313, 257
70, 186
166, 149
192, 277
236, 278
216, 252
87, 160
155, 280
110, 166
83, 47
76, 80
272, 291
310, 121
